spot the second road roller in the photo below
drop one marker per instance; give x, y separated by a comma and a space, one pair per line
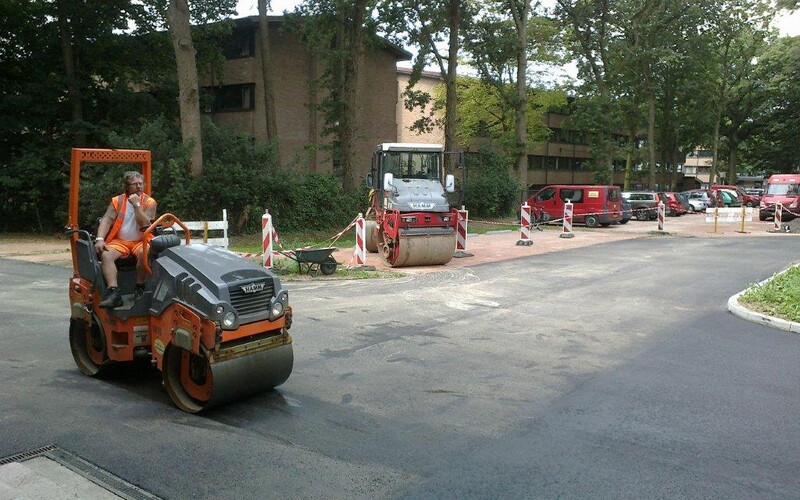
414, 224
215, 324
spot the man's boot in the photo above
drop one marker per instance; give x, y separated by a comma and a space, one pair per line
113, 299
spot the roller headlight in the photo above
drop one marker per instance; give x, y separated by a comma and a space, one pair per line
229, 320
278, 305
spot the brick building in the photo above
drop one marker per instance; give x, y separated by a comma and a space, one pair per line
238, 97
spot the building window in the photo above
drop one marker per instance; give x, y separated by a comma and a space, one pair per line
241, 44
229, 98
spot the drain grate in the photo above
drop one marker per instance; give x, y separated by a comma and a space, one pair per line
86, 469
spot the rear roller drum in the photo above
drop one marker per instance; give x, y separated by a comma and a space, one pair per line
371, 241
88, 346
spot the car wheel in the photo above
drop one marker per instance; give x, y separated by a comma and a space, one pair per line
591, 221
642, 214
624, 221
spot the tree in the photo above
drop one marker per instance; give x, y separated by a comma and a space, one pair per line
266, 75
428, 26
772, 145
590, 33
339, 31
189, 97
731, 54
485, 113
501, 41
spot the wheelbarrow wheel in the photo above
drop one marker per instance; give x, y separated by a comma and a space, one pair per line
328, 267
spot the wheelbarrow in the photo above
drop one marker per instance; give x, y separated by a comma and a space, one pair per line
314, 259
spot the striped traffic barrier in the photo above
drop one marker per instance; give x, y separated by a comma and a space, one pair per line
266, 238
461, 237
661, 214
566, 227
778, 215
525, 225
360, 250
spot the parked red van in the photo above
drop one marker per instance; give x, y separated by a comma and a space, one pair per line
781, 188
592, 205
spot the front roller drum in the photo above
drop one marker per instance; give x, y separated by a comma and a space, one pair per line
198, 382
420, 247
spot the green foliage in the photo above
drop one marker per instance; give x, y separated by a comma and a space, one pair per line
242, 176
779, 296
491, 190
484, 112
772, 146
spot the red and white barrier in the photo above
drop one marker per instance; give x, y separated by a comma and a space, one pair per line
661, 214
360, 250
566, 227
778, 215
525, 225
463, 220
266, 238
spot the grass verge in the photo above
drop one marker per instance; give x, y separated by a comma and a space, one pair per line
779, 296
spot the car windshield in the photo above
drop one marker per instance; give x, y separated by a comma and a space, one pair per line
781, 190
412, 165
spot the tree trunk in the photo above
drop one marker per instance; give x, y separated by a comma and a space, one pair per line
715, 148
651, 141
266, 75
521, 104
351, 46
451, 111
732, 156
189, 94
73, 90
626, 185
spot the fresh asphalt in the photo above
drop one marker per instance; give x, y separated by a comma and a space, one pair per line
610, 371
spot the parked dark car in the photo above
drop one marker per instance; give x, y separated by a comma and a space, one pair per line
627, 213
643, 203
684, 199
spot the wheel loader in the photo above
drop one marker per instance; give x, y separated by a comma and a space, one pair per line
215, 324
414, 224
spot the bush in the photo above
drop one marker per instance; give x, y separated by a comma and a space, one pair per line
491, 191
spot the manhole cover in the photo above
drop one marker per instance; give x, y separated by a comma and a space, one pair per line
51, 472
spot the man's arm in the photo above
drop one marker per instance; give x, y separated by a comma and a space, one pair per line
145, 213
104, 228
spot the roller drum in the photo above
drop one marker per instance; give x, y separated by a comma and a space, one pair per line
429, 247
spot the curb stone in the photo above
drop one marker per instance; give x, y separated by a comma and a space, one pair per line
739, 310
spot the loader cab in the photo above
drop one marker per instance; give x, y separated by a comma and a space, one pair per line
393, 163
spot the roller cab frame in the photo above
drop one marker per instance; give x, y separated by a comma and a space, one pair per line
215, 324
414, 223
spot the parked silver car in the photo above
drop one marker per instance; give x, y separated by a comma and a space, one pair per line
701, 199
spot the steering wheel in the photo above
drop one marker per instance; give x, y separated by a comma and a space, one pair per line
166, 220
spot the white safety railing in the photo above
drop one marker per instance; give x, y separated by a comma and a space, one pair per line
200, 230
